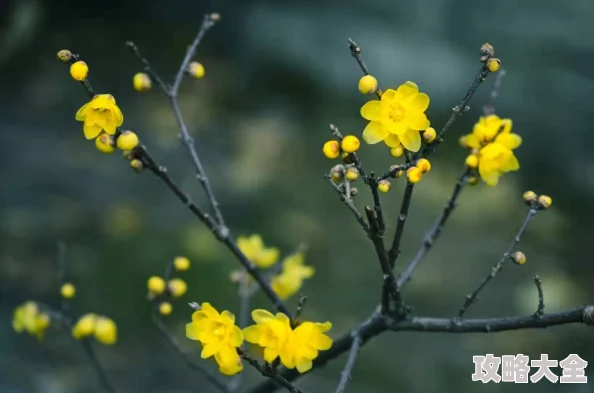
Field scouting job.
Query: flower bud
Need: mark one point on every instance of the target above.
(196, 70)
(493, 64)
(424, 165)
(529, 197)
(331, 149)
(347, 158)
(337, 173)
(106, 331)
(156, 285)
(79, 71)
(68, 291)
(354, 191)
(84, 327)
(429, 135)
(463, 141)
(545, 201)
(137, 165)
(65, 56)
(127, 140)
(384, 186)
(472, 180)
(519, 258)
(165, 308)
(367, 84)
(181, 264)
(395, 171)
(414, 174)
(142, 82)
(215, 17)
(397, 151)
(472, 161)
(177, 287)
(351, 174)
(105, 144)
(350, 144)
(487, 50)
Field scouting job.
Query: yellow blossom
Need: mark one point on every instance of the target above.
(254, 249)
(181, 264)
(177, 287)
(296, 348)
(290, 280)
(84, 327)
(545, 201)
(106, 331)
(351, 174)
(68, 290)
(101, 113)
(218, 335)
(494, 160)
(397, 117)
(79, 70)
(28, 317)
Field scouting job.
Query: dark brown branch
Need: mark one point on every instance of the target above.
(540, 309)
(432, 235)
(188, 360)
(350, 364)
(268, 371)
(356, 53)
(404, 208)
(349, 203)
(148, 68)
(470, 299)
(97, 365)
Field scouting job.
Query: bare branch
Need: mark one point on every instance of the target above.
(349, 203)
(540, 310)
(267, 371)
(350, 364)
(356, 53)
(404, 208)
(97, 365)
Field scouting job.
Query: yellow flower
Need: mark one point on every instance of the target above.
(106, 331)
(68, 290)
(254, 250)
(397, 117)
(494, 160)
(101, 113)
(28, 317)
(219, 336)
(296, 348)
(84, 327)
(290, 280)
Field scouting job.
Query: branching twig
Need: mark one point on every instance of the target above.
(432, 235)
(470, 299)
(97, 364)
(540, 310)
(356, 53)
(350, 364)
(191, 364)
(349, 203)
(268, 372)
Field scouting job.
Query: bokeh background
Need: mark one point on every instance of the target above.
(277, 73)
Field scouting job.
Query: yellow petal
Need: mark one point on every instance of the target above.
(81, 114)
(374, 133)
(512, 164)
(411, 140)
(228, 355)
(283, 318)
(511, 141)
(191, 331)
(388, 95)
(287, 359)
(507, 126)
(419, 103)
(236, 336)
(323, 327)
(119, 116)
(91, 131)
(323, 342)
(270, 354)
(267, 257)
(406, 90)
(252, 334)
(491, 177)
(416, 120)
(208, 310)
(209, 350)
(228, 316)
(261, 316)
(303, 365)
(371, 110)
(392, 140)
(473, 141)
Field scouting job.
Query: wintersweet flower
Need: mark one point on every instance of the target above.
(28, 317)
(219, 336)
(254, 249)
(101, 113)
(397, 117)
(297, 348)
(290, 280)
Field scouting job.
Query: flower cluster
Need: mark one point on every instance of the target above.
(296, 347)
(29, 317)
(290, 280)
(161, 291)
(254, 249)
(491, 144)
(219, 336)
(102, 328)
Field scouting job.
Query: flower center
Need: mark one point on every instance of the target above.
(396, 113)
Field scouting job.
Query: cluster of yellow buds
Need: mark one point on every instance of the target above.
(162, 292)
(29, 317)
(101, 327)
(540, 202)
(493, 64)
(333, 149)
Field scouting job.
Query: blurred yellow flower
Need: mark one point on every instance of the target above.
(219, 336)
(106, 331)
(296, 348)
(84, 327)
(101, 113)
(397, 117)
(254, 249)
(28, 317)
(177, 287)
(290, 280)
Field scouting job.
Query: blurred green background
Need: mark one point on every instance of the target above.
(277, 73)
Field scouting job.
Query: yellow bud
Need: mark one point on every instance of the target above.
(79, 71)
(141, 82)
(215, 17)
(472, 180)
(84, 327)
(337, 173)
(68, 291)
(529, 197)
(472, 161)
(351, 174)
(331, 149)
(350, 144)
(136, 165)
(106, 331)
(181, 264)
(65, 55)
(397, 151)
(367, 84)
(414, 174)
(424, 165)
(43, 320)
(165, 308)
(545, 201)
(177, 287)
(494, 64)
(127, 140)
(519, 258)
(395, 171)
(346, 158)
(384, 186)
(105, 144)
(196, 70)
(156, 285)
(463, 141)
(487, 50)
(429, 135)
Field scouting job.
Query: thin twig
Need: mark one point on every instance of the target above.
(349, 203)
(356, 53)
(268, 372)
(470, 299)
(432, 235)
(404, 208)
(191, 364)
(300, 307)
(62, 268)
(350, 364)
(148, 68)
(97, 365)
(540, 310)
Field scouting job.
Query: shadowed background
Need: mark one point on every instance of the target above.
(277, 73)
